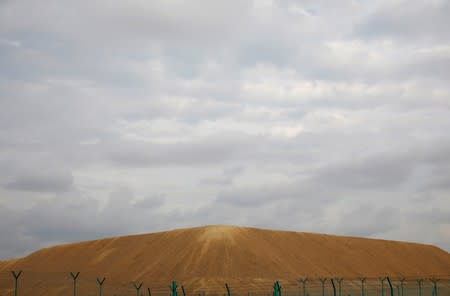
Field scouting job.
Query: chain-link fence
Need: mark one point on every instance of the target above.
(29, 283)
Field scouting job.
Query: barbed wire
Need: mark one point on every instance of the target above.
(61, 283)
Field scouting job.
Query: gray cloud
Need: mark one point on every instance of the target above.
(153, 202)
(299, 115)
(217, 148)
(369, 173)
(407, 20)
(371, 220)
(226, 178)
(42, 182)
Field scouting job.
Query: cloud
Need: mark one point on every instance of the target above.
(226, 178)
(299, 115)
(372, 221)
(204, 151)
(41, 183)
(111, 24)
(407, 20)
(377, 172)
(153, 202)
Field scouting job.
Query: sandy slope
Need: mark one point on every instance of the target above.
(218, 253)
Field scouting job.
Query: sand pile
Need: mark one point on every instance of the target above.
(213, 254)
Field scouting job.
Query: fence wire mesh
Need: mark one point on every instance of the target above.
(62, 283)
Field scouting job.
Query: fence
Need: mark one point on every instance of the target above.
(28, 283)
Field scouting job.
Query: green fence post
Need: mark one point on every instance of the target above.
(339, 281)
(402, 280)
(182, 289)
(390, 286)
(137, 287)
(149, 292)
(100, 285)
(334, 287)
(74, 277)
(362, 279)
(323, 285)
(276, 289)
(419, 282)
(303, 280)
(16, 279)
(228, 289)
(174, 289)
(382, 285)
(434, 281)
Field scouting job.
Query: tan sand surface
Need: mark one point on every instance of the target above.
(207, 256)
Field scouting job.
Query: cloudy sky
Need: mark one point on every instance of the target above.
(121, 117)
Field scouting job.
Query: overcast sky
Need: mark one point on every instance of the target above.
(121, 117)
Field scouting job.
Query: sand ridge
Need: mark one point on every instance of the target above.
(220, 252)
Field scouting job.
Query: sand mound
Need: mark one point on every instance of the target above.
(221, 253)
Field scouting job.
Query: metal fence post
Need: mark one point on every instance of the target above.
(334, 287)
(74, 277)
(339, 281)
(390, 286)
(149, 292)
(303, 280)
(137, 287)
(100, 285)
(16, 279)
(228, 289)
(323, 285)
(402, 280)
(173, 289)
(182, 289)
(362, 285)
(419, 282)
(434, 281)
(382, 285)
(276, 289)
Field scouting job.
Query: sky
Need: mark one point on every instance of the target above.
(123, 117)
